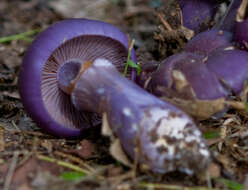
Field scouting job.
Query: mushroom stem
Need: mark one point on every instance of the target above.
(160, 135)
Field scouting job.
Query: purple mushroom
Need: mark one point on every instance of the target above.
(241, 26)
(184, 80)
(201, 78)
(230, 66)
(197, 14)
(220, 36)
(241, 33)
(206, 42)
(41, 96)
(71, 69)
(185, 74)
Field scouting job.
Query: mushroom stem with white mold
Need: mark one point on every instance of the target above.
(159, 134)
(71, 69)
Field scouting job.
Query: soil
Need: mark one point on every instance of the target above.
(31, 159)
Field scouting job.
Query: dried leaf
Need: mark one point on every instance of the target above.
(106, 131)
(117, 152)
(199, 109)
(86, 150)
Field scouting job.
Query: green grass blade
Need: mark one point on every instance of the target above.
(211, 134)
(130, 63)
(72, 176)
(21, 36)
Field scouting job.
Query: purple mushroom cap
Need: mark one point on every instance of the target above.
(196, 13)
(186, 75)
(241, 33)
(230, 66)
(206, 42)
(68, 39)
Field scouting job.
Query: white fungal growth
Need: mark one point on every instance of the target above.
(169, 125)
(158, 113)
(171, 149)
(173, 127)
(100, 90)
(197, 133)
(101, 62)
(204, 152)
(174, 142)
(127, 111)
(134, 126)
(202, 145)
(191, 138)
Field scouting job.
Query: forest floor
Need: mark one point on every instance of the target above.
(33, 160)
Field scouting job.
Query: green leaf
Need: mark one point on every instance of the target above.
(211, 134)
(130, 63)
(246, 106)
(232, 184)
(72, 176)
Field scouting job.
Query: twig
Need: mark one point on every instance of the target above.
(64, 164)
(2, 142)
(75, 159)
(208, 179)
(135, 164)
(120, 178)
(164, 22)
(11, 171)
(170, 187)
(15, 126)
(69, 166)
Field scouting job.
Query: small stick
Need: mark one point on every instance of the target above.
(170, 187)
(62, 163)
(75, 159)
(164, 22)
(135, 164)
(11, 171)
(69, 166)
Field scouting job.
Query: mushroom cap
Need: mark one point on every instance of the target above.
(230, 66)
(185, 74)
(240, 33)
(197, 12)
(206, 42)
(65, 40)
